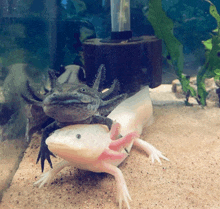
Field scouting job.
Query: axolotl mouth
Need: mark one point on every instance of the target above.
(70, 107)
(86, 143)
(66, 99)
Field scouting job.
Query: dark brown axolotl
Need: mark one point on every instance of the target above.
(73, 104)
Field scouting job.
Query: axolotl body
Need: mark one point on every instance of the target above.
(93, 147)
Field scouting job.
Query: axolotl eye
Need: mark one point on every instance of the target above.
(82, 89)
(78, 136)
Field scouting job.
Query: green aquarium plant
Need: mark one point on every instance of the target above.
(163, 27)
(211, 67)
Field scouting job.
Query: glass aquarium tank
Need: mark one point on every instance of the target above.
(45, 44)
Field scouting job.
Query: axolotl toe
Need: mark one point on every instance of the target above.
(92, 147)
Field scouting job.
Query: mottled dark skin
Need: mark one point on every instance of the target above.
(71, 104)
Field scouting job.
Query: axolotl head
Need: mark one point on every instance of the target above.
(88, 143)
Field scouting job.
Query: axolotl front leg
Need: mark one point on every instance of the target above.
(150, 150)
(122, 190)
(47, 178)
(132, 114)
(123, 194)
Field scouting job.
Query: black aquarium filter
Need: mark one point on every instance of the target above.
(134, 61)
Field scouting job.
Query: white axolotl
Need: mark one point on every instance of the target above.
(93, 147)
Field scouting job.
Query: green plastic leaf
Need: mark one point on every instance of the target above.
(213, 11)
(208, 44)
(163, 28)
(213, 58)
(202, 93)
(217, 71)
(217, 77)
(212, 64)
(186, 87)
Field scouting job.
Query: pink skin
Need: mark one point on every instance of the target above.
(117, 144)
